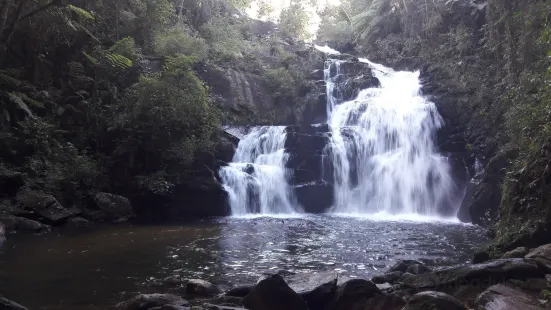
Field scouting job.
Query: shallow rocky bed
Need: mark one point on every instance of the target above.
(513, 282)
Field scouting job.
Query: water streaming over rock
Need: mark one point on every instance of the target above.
(382, 149)
(257, 180)
(381, 154)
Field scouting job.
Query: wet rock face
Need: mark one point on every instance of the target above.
(308, 165)
(433, 301)
(6, 304)
(355, 294)
(43, 206)
(477, 274)
(114, 205)
(504, 297)
(15, 223)
(351, 77)
(273, 293)
(152, 301)
(316, 289)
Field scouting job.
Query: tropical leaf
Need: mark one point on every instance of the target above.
(28, 100)
(18, 101)
(91, 59)
(8, 80)
(81, 12)
(119, 61)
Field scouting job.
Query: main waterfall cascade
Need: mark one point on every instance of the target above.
(257, 180)
(381, 153)
(382, 149)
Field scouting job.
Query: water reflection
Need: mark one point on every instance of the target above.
(96, 269)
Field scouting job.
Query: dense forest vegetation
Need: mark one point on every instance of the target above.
(130, 96)
(114, 96)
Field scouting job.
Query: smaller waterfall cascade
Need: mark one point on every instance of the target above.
(382, 150)
(257, 180)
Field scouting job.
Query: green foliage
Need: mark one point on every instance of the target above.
(167, 117)
(282, 82)
(127, 48)
(81, 12)
(294, 20)
(224, 38)
(178, 40)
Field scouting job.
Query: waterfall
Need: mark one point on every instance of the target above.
(382, 150)
(381, 156)
(257, 180)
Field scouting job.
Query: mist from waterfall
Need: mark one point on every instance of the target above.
(257, 180)
(382, 150)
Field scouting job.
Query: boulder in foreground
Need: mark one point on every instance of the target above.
(6, 304)
(355, 294)
(504, 297)
(317, 289)
(148, 301)
(273, 293)
(433, 301)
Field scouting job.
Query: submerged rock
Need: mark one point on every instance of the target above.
(272, 293)
(77, 223)
(433, 301)
(44, 206)
(6, 304)
(148, 301)
(480, 274)
(317, 289)
(15, 223)
(240, 291)
(417, 269)
(114, 205)
(389, 277)
(402, 265)
(226, 301)
(201, 287)
(504, 297)
(355, 295)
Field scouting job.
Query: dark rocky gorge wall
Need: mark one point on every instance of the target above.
(306, 143)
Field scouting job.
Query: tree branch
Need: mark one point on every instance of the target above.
(17, 18)
(5, 5)
(42, 8)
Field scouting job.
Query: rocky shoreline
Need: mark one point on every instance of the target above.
(518, 280)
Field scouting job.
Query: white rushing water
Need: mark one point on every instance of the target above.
(382, 149)
(257, 180)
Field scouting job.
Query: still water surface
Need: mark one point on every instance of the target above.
(97, 268)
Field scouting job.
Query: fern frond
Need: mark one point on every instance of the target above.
(91, 59)
(119, 61)
(81, 12)
(28, 100)
(7, 80)
(18, 101)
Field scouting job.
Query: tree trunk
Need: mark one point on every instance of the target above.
(4, 9)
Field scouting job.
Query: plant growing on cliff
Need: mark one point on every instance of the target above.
(282, 82)
(166, 119)
(179, 40)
